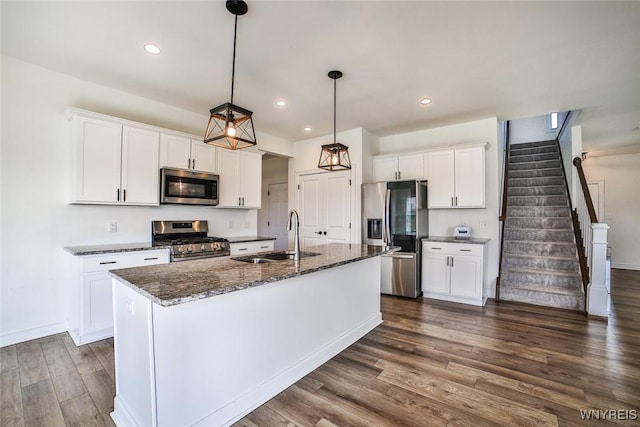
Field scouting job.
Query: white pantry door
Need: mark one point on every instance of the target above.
(277, 221)
(325, 208)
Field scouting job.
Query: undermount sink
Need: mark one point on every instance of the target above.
(272, 257)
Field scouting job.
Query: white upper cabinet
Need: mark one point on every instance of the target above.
(98, 160)
(187, 153)
(115, 164)
(240, 179)
(400, 167)
(456, 178)
(140, 176)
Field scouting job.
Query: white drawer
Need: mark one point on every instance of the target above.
(453, 248)
(245, 248)
(104, 262)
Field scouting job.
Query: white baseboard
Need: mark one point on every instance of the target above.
(33, 333)
(624, 266)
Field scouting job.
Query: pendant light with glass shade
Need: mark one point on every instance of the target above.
(334, 156)
(231, 126)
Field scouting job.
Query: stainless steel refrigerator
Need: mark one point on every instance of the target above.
(395, 214)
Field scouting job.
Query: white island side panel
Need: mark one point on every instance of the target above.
(218, 358)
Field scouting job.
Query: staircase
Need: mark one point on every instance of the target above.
(539, 256)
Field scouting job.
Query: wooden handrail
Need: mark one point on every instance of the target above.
(505, 180)
(503, 214)
(577, 162)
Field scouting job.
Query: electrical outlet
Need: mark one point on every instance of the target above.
(113, 226)
(483, 224)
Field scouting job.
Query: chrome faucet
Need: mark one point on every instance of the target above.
(296, 235)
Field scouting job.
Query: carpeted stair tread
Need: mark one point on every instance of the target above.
(541, 223)
(533, 150)
(536, 144)
(547, 289)
(539, 211)
(534, 173)
(542, 272)
(535, 181)
(544, 256)
(571, 300)
(537, 190)
(541, 200)
(540, 263)
(533, 158)
(547, 164)
(540, 235)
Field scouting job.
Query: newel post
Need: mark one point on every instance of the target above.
(597, 294)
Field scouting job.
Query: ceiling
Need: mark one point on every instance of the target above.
(473, 59)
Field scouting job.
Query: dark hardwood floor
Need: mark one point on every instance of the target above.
(430, 363)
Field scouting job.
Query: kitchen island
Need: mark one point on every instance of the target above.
(205, 342)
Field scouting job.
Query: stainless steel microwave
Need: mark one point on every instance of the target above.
(188, 187)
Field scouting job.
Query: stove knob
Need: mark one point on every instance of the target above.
(189, 248)
(203, 248)
(180, 249)
(216, 246)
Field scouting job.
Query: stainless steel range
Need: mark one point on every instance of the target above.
(188, 240)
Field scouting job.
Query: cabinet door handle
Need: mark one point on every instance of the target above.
(452, 202)
(264, 247)
(193, 164)
(465, 250)
(188, 163)
(124, 195)
(451, 261)
(108, 262)
(447, 261)
(399, 175)
(239, 199)
(118, 195)
(433, 247)
(243, 249)
(324, 232)
(151, 259)
(243, 201)
(456, 200)
(318, 232)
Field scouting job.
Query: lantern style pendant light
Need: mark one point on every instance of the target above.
(231, 126)
(334, 156)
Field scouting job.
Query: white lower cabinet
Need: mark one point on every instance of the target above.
(91, 306)
(454, 272)
(246, 248)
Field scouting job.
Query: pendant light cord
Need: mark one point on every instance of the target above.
(233, 67)
(335, 82)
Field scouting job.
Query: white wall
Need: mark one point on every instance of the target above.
(621, 175)
(483, 222)
(534, 129)
(36, 166)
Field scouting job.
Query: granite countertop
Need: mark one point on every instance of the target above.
(181, 282)
(111, 248)
(243, 239)
(451, 239)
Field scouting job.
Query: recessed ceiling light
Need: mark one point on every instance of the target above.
(307, 129)
(425, 101)
(152, 48)
(281, 103)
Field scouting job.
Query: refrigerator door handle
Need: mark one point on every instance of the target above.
(387, 230)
